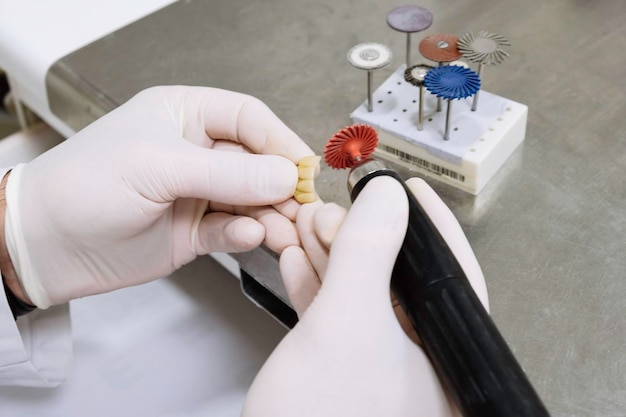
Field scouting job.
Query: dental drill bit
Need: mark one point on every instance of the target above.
(369, 56)
(415, 76)
(440, 48)
(484, 49)
(409, 19)
(451, 82)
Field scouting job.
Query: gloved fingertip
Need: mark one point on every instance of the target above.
(288, 208)
(417, 182)
(328, 219)
(278, 178)
(244, 234)
(299, 277)
(244, 179)
(281, 234)
(421, 190)
(308, 210)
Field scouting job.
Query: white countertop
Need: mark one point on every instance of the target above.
(185, 346)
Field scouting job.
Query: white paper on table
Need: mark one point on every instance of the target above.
(189, 345)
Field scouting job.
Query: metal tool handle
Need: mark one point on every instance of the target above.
(468, 352)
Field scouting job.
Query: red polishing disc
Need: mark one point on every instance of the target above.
(350, 145)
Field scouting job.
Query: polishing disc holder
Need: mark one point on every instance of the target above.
(479, 142)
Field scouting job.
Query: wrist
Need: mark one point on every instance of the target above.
(14, 286)
(9, 276)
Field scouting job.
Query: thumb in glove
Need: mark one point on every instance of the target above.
(348, 355)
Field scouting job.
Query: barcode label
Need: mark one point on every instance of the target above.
(422, 163)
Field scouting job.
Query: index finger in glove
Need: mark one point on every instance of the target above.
(247, 120)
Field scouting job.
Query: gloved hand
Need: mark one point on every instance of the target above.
(174, 173)
(349, 356)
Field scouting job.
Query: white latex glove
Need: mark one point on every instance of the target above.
(349, 355)
(174, 173)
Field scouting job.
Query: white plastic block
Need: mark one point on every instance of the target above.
(479, 142)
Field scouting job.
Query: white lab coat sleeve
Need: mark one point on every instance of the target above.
(37, 349)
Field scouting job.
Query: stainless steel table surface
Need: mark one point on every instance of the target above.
(549, 229)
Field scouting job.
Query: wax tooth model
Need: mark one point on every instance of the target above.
(305, 189)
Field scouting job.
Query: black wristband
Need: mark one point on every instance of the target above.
(17, 306)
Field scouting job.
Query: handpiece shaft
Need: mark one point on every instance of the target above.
(470, 355)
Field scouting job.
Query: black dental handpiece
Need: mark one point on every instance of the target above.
(466, 349)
